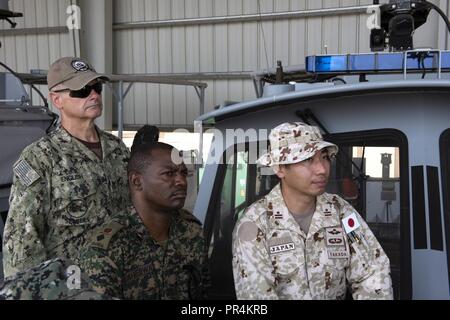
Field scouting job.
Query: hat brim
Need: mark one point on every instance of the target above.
(80, 80)
(270, 158)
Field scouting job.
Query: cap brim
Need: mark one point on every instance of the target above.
(82, 79)
(332, 148)
(264, 160)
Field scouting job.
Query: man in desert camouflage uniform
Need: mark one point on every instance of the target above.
(156, 250)
(50, 280)
(68, 182)
(299, 242)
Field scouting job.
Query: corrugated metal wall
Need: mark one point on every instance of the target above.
(225, 47)
(36, 51)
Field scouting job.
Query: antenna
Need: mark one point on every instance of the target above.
(262, 31)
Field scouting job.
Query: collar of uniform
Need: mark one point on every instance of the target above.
(62, 135)
(142, 232)
(137, 224)
(324, 216)
(278, 214)
(70, 144)
(108, 144)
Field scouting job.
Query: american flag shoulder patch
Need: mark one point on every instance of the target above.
(26, 174)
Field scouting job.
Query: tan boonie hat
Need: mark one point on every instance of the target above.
(292, 142)
(73, 72)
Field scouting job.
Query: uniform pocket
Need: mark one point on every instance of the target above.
(74, 202)
(286, 266)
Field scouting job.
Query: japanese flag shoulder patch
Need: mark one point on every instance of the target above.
(350, 223)
(26, 174)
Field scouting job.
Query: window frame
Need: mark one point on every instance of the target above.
(444, 151)
(401, 141)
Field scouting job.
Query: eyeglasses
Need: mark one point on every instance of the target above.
(85, 91)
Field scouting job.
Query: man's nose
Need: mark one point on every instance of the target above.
(320, 167)
(180, 180)
(94, 95)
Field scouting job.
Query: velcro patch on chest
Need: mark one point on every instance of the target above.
(335, 244)
(334, 236)
(26, 174)
(282, 244)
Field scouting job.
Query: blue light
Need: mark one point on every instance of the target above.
(362, 62)
(330, 63)
(377, 62)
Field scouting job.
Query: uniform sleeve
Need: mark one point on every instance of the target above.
(206, 276)
(119, 171)
(369, 271)
(103, 270)
(194, 235)
(252, 268)
(29, 203)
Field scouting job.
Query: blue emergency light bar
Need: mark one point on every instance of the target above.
(416, 61)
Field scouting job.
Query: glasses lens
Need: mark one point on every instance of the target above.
(97, 87)
(86, 90)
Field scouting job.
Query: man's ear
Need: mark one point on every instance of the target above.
(135, 181)
(55, 98)
(280, 171)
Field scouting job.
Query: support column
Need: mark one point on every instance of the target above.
(96, 46)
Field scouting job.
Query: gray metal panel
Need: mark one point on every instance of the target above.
(314, 27)
(180, 105)
(192, 57)
(220, 38)
(220, 91)
(179, 43)
(298, 32)
(53, 19)
(330, 30)
(364, 32)
(138, 54)
(255, 105)
(207, 37)
(349, 28)
(265, 37)
(235, 38)
(209, 96)
(281, 33)
(153, 104)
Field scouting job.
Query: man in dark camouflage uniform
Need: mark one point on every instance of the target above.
(156, 250)
(50, 280)
(299, 242)
(67, 183)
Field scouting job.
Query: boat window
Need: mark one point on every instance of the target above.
(445, 171)
(371, 173)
